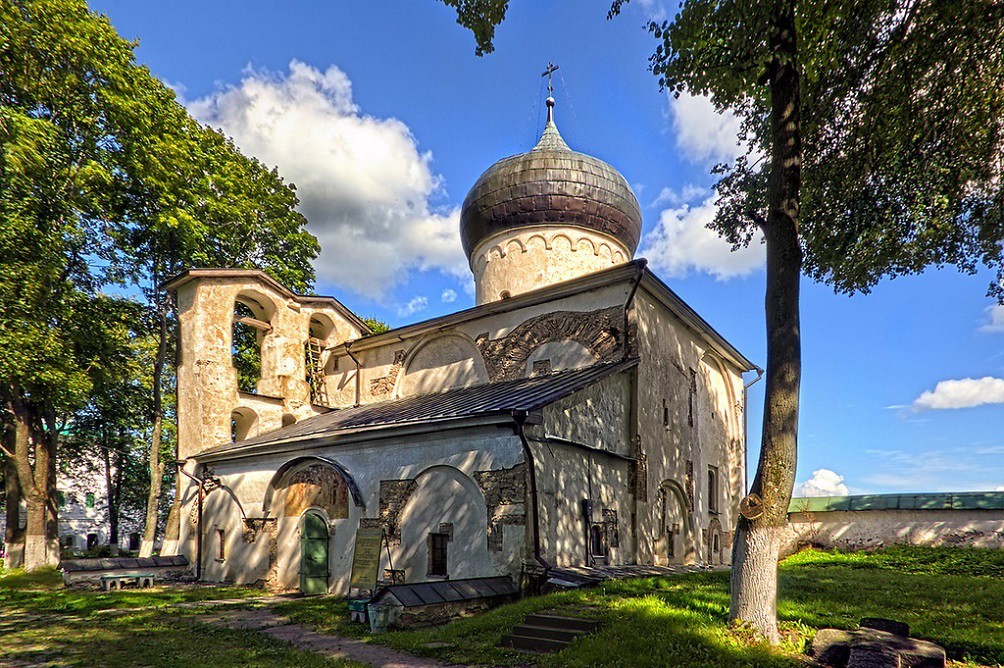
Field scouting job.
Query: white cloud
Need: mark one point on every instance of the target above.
(681, 242)
(415, 305)
(704, 135)
(449, 296)
(823, 482)
(654, 10)
(996, 323)
(999, 488)
(364, 185)
(963, 393)
(686, 195)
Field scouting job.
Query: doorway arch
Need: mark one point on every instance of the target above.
(314, 554)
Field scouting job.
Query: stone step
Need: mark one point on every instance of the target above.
(531, 631)
(559, 622)
(528, 644)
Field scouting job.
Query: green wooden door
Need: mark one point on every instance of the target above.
(314, 555)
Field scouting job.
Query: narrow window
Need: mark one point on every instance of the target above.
(670, 543)
(665, 413)
(133, 542)
(92, 541)
(89, 499)
(716, 548)
(713, 489)
(691, 409)
(221, 551)
(437, 554)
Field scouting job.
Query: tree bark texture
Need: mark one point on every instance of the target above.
(111, 490)
(13, 533)
(757, 540)
(36, 480)
(156, 467)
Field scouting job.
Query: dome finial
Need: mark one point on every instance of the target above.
(551, 138)
(549, 72)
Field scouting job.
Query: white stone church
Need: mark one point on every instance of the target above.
(581, 414)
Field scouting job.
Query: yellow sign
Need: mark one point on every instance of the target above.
(366, 558)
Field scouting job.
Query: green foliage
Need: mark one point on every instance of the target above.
(901, 138)
(480, 17)
(376, 325)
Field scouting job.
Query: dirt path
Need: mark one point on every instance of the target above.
(280, 627)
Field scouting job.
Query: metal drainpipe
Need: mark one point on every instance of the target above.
(519, 417)
(642, 263)
(359, 366)
(746, 429)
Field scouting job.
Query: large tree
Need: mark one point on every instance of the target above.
(875, 149)
(100, 163)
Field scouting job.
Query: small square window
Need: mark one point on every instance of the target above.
(438, 543)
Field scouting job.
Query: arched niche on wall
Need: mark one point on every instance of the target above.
(252, 321)
(308, 470)
(716, 542)
(443, 362)
(675, 539)
(445, 502)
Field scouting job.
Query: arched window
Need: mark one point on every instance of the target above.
(288, 419)
(242, 421)
(246, 350)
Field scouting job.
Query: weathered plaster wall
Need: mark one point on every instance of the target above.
(517, 261)
(871, 529)
(689, 416)
(446, 469)
(598, 418)
(501, 346)
(207, 382)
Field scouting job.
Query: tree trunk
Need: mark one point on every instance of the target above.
(13, 533)
(156, 467)
(758, 539)
(113, 507)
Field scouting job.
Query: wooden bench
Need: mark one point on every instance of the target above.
(141, 580)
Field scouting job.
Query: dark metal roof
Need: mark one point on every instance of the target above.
(929, 501)
(523, 394)
(431, 593)
(550, 184)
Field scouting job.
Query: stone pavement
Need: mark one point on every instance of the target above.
(280, 627)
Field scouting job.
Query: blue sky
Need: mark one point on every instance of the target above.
(383, 117)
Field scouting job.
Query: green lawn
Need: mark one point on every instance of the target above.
(43, 624)
(954, 597)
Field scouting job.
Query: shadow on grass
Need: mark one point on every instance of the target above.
(150, 638)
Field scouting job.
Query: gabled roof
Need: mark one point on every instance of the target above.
(500, 400)
(175, 282)
(634, 270)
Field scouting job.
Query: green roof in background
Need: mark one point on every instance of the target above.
(932, 501)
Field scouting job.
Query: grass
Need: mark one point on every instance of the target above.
(952, 596)
(42, 624)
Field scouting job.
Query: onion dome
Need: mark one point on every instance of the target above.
(550, 185)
